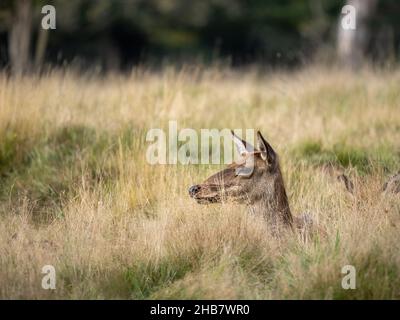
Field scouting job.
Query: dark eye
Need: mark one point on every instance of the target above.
(245, 172)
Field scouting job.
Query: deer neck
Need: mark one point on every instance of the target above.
(273, 203)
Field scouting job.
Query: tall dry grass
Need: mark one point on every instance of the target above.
(77, 193)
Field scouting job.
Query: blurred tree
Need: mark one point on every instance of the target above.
(352, 44)
(20, 36)
(116, 34)
(41, 41)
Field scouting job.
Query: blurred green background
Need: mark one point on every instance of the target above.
(118, 34)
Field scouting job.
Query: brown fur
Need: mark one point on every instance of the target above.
(392, 185)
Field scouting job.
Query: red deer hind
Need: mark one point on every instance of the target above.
(255, 181)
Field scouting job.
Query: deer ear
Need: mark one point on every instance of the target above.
(267, 153)
(242, 146)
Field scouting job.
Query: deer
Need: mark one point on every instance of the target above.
(255, 180)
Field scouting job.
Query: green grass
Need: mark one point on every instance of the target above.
(363, 160)
(49, 170)
(146, 278)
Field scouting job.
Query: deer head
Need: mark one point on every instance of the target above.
(255, 180)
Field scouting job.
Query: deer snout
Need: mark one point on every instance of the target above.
(193, 190)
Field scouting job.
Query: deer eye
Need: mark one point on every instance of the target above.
(245, 172)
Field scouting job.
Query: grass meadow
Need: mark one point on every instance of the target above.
(76, 191)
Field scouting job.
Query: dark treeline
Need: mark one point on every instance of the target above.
(117, 34)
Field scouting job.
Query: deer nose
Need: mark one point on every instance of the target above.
(193, 190)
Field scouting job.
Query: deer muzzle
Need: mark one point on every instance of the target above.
(193, 190)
